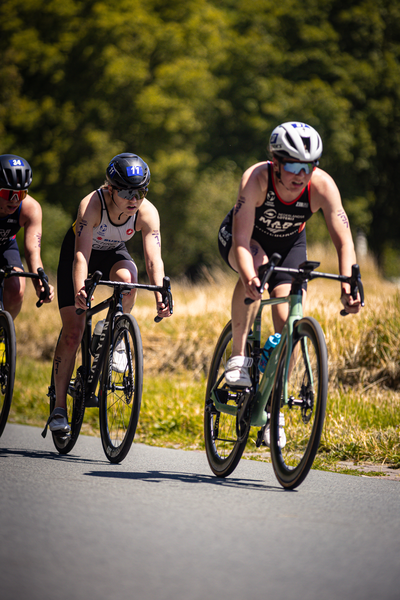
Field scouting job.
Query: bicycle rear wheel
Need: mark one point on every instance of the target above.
(75, 406)
(225, 439)
(8, 357)
(303, 408)
(121, 389)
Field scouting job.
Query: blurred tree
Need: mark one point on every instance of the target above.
(195, 87)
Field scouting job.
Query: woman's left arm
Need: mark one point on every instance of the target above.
(148, 222)
(325, 195)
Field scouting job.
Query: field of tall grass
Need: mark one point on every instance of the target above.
(363, 412)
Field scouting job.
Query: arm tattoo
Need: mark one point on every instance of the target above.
(239, 204)
(343, 217)
(254, 249)
(156, 235)
(39, 239)
(83, 223)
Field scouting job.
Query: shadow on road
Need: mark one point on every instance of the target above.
(8, 452)
(159, 476)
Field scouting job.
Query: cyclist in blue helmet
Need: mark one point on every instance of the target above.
(18, 210)
(275, 200)
(107, 218)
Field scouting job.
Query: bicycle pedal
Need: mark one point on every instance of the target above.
(92, 402)
(260, 438)
(61, 435)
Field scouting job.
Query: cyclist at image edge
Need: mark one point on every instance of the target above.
(107, 218)
(19, 210)
(275, 200)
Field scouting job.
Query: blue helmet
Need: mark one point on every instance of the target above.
(128, 171)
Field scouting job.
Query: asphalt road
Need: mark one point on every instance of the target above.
(161, 527)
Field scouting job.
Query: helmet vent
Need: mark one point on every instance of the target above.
(290, 140)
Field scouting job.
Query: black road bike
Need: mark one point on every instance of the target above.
(100, 380)
(8, 344)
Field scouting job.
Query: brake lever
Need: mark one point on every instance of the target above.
(46, 293)
(90, 286)
(265, 272)
(356, 287)
(166, 295)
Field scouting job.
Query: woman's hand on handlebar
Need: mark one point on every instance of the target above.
(81, 299)
(42, 295)
(163, 310)
(251, 288)
(350, 305)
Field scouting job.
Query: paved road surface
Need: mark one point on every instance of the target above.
(161, 527)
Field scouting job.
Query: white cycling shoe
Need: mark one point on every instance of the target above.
(58, 422)
(282, 434)
(237, 371)
(119, 360)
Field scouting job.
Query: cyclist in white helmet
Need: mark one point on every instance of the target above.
(275, 200)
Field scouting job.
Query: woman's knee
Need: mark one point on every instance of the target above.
(125, 271)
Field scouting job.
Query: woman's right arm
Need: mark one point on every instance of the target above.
(87, 219)
(250, 196)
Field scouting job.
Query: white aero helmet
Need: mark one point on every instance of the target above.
(296, 140)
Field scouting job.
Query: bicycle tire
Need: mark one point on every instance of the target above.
(304, 414)
(8, 358)
(75, 406)
(121, 390)
(224, 448)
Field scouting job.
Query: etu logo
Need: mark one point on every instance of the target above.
(136, 170)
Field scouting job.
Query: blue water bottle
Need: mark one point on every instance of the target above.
(269, 345)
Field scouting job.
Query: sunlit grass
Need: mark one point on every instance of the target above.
(363, 412)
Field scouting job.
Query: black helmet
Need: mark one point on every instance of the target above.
(15, 172)
(127, 171)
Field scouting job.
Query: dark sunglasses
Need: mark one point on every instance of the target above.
(9, 194)
(138, 193)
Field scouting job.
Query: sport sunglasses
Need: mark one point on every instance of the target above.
(138, 193)
(296, 167)
(9, 194)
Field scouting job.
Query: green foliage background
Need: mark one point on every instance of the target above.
(195, 88)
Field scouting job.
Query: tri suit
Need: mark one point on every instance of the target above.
(9, 227)
(108, 248)
(279, 226)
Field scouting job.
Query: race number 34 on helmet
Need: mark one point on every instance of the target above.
(15, 176)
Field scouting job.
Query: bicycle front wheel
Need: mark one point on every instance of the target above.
(75, 406)
(225, 441)
(121, 389)
(300, 406)
(8, 357)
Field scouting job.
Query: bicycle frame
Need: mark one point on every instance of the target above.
(262, 389)
(93, 369)
(115, 309)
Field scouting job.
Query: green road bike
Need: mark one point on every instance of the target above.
(292, 389)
